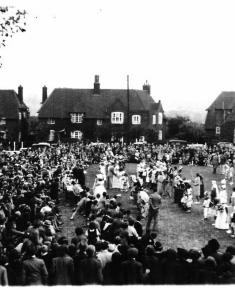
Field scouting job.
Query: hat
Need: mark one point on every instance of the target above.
(223, 182)
(111, 248)
(47, 223)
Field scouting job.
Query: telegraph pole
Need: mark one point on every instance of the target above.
(128, 109)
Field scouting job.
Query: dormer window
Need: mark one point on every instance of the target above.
(51, 121)
(99, 122)
(136, 119)
(160, 118)
(2, 121)
(77, 117)
(117, 117)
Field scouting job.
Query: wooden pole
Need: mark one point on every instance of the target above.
(128, 109)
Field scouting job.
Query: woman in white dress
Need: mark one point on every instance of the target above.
(221, 221)
(116, 176)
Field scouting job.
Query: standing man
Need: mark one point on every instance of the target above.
(197, 182)
(154, 205)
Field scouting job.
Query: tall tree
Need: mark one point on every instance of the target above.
(12, 21)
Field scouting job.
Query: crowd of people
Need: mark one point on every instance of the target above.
(115, 246)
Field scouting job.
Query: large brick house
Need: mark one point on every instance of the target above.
(220, 119)
(14, 116)
(104, 114)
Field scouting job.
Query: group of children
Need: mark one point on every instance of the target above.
(222, 210)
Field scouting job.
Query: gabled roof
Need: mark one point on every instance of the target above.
(61, 102)
(9, 104)
(225, 101)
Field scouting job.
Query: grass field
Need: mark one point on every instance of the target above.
(176, 228)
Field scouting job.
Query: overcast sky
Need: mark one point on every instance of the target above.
(185, 49)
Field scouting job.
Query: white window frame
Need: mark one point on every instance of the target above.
(3, 121)
(117, 117)
(52, 135)
(51, 121)
(217, 130)
(99, 122)
(160, 118)
(136, 119)
(76, 118)
(154, 119)
(160, 135)
(76, 134)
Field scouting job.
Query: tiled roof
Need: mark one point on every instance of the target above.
(226, 100)
(61, 102)
(9, 104)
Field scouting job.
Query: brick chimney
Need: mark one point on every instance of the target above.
(96, 85)
(20, 94)
(44, 94)
(147, 87)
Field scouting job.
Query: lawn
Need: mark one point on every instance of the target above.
(176, 228)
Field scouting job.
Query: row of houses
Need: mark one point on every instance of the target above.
(95, 113)
(105, 114)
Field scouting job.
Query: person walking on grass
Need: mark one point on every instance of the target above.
(153, 212)
(197, 182)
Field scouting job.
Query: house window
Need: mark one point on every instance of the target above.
(20, 115)
(136, 119)
(99, 122)
(217, 130)
(160, 135)
(117, 118)
(76, 118)
(160, 118)
(76, 135)
(51, 136)
(2, 121)
(154, 120)
(51, 121)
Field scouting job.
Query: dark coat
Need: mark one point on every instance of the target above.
(91, 271)
(132, 272)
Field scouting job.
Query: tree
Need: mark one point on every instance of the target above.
(181, 127)
(11, 21)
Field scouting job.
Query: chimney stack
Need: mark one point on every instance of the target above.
(147, 87)
(44, 94)
(96, 85)
(20, 94)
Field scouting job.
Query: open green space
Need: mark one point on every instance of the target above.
(176, 228)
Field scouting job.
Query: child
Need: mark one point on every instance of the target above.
(206, 205)
(124, 182)
(232, 225)
(187, 199)
(233, 199)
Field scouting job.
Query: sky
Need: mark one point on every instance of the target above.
(184, 48)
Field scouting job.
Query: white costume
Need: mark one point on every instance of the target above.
(221, 221)
(99, 187)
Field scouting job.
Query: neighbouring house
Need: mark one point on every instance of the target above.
(220, 119)
(102, 114)
(14, 115)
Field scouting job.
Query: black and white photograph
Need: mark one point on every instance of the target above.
(117, 142)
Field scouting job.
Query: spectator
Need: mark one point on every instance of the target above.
(91, 269)
(34, 269)
(62, 264)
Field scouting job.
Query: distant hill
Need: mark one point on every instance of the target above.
(194, 116)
